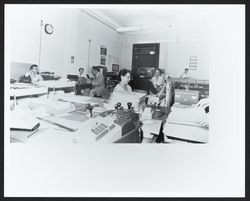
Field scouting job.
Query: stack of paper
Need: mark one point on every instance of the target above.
(187, 116)
(53, 107)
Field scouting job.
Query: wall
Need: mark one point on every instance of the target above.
(176, 45)
(99, 34)
(72, 31)
(23, 25)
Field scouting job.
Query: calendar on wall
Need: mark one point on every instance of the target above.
(193, 62)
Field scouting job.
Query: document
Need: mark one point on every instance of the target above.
(151, 126)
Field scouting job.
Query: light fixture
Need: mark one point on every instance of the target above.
(152, 52)
(128, 29)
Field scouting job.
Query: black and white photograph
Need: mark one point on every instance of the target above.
(153, 113)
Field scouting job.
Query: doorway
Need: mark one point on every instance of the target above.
(145, 55)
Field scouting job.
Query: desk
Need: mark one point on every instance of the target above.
(49, 133)
(52, 133)
(186, 133)
(28, 92)
(193, 84)
(80, 87)
(182, 125)
(58, 84)
(186, 97)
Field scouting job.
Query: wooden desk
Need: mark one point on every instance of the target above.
(65, 85)
(29, 91)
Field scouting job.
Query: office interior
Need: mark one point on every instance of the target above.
(61, 40)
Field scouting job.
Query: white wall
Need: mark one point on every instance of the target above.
(99, 34)
(23, 24)
(176, 46)
(178, 58)
(72, 30)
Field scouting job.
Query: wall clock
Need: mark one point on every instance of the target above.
(48, 28)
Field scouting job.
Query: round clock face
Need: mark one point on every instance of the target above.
(48, 28)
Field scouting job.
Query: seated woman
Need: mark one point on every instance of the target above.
(81, 77)
(157, 80)
(123, 86)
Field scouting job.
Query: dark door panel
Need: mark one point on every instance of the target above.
(145, 55)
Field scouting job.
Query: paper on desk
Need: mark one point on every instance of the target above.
(193, 133)
(151, 126)
(187, 115)
(21, 136)
(54, 107)
(65, 122)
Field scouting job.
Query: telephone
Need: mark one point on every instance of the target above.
(119, 126)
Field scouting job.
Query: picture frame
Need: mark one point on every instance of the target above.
(115, 67)
(103, 50)
(103, 60)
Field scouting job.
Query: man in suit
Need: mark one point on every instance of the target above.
(97, 83)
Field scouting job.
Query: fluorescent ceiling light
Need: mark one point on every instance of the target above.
(142, 27)
(128, 29)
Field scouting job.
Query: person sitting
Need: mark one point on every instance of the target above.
(83, 84)
(157, 80)
(97, 83)
(81, 77)
(142, 83)
(123, 86)
(33, 73)
(185, 74)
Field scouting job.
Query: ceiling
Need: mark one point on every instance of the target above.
(146, 18)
